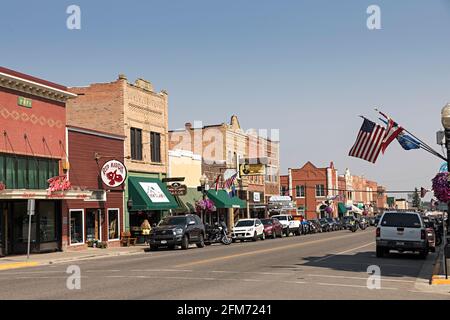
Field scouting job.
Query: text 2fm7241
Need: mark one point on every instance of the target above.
(246, 309)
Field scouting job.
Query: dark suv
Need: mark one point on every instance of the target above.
(178, 230)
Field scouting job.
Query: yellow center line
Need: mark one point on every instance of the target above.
(17, 265)
(238, 255)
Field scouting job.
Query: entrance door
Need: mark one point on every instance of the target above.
(18, 225)
(93, 225)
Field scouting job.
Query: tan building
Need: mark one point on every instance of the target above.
(136, 111)
(226, 145)
(187, 165)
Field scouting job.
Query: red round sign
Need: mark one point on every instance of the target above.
(113, 173)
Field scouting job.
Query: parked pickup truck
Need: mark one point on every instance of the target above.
(402, 231)
(289, 224)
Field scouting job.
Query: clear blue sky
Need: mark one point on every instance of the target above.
(305, 67)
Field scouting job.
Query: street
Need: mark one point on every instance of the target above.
(319, 266)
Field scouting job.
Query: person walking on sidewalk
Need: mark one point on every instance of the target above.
(146, 228)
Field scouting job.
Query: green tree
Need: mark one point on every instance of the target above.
(417, 203)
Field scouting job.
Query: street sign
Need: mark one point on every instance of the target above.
(31, 205)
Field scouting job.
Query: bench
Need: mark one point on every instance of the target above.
(126, 239)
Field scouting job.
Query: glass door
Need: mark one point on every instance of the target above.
(19, 236)
(93, 225)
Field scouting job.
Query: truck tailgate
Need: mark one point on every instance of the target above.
(400, 234)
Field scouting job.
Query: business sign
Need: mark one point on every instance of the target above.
(24, 102)
(154, 192)
(250, 169)
(177, 189)
(113, 173)
(256, 197)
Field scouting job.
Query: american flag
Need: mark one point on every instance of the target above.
(369, 141)
(392, 131)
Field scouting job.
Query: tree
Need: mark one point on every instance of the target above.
(416, 202)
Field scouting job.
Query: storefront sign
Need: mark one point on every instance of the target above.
(256, 197)
(177, 189)
(248, 169)
(24, 102)
(113, 173)
(59, 183)
(154, 192)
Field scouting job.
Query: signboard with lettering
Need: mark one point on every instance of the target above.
(177, 189)
(113, 173)
(154, 192)
(24, 102)
(250, 169)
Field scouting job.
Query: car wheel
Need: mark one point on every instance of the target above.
(153, 248)
(263, 236)
(380, 252)
(185, 242)
(201, 242)
(255, 237)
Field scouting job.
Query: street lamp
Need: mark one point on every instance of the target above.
(203, 182)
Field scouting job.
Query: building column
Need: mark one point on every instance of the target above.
(230, 217)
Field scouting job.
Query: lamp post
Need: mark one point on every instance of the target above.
(203, 182)
(445, 118)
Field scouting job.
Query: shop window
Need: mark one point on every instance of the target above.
(47, 221)
(33, 177)
(76, 226)
(22, 173)
(155, 146)
(113, 224)
(20, 223)
(136, 143)
(2, 170)
(10, 173)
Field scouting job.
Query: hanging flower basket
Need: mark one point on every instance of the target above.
(205, 206)
(440, 187)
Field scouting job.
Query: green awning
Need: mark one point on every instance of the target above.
(342, 208)
(149, 194)
(187, 202)
(221, 199)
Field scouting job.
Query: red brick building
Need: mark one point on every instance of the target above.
(101, 217)
(313, 189)
(32, 150)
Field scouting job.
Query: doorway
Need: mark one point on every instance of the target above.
(94, 225)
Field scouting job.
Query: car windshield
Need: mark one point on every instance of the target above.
(402, 220)
(266, 222)
(245, 223)
(173, 221)
(281, 217)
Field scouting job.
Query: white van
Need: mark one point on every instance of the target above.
(401, 231)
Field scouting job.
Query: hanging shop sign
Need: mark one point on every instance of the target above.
(177, 189)
(58, 183)
(113, 173)
(250, 169)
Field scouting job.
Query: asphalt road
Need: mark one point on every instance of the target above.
(322, 266)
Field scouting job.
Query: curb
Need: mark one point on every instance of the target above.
(436, 277)
(18, 265)
(91, 257)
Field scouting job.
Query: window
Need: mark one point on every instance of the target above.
(320, 190)
(300, 191)
(155, 146)
(47, 221)
(113, 224)
(18, 172)
(136, 143)
(76, 226)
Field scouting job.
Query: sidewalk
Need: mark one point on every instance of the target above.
(21, 261)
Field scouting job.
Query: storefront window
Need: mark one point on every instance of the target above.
(20, 223)
(47, 221)
(113, 224)
(76, 227)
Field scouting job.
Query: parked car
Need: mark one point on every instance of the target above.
(272, 227)
(402, 231)
(325, 225)
(289, 224)
(248, 229)
(178, 230)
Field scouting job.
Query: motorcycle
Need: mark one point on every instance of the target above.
(217, 234)
(353, 226)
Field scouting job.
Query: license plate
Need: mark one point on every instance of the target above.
(400, 243)
(163, 241)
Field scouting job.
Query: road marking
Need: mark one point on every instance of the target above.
(17, 265)
(346, 251)
(296, 245)
(357, 278)
(352, 286)
(162, 270)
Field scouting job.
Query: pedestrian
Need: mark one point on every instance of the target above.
(145, 229)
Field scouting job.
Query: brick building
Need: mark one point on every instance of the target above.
(313, 189)
(99, 218)
(136, 111)
(32, 151)
(225, 146)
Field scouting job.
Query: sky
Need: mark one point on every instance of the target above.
(308, 68)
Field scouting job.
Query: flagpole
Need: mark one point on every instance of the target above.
(428, 148)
